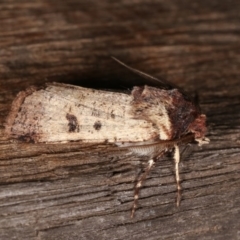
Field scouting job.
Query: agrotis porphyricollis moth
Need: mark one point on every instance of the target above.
(151, 120)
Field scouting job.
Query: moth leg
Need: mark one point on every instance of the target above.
(177, 160)
(138, 186)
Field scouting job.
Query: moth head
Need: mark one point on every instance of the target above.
(199, 129)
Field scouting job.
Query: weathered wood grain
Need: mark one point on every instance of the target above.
(76, 191)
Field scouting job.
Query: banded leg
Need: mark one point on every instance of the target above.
(139, 185)
(177, 160)
(151, 162)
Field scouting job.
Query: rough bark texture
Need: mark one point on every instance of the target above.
(75, 191)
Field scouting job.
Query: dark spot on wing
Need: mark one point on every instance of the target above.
(30, 137)
(112, 115)
(72, 123)
(97, 125)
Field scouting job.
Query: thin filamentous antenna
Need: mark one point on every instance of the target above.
(165, 84)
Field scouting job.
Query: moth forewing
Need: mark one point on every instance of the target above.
(61, 113)
(149, 121)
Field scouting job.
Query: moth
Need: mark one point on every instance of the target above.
(151, 120)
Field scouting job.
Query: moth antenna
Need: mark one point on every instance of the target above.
(177, 160)
(154, 80)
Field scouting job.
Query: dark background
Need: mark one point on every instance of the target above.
(76, 191)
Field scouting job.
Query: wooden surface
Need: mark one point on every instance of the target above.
(74, 191)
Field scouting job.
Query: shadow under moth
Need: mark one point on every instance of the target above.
(151, 120)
